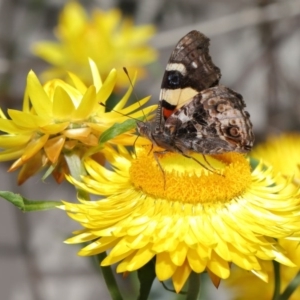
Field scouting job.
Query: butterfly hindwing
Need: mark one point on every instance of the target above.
(214, 121)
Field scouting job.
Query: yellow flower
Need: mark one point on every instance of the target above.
(105, 38)
(250, 287)
(282, 152)
(59, 117)
(187, 217)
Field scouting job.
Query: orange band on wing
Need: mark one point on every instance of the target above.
(167, 112)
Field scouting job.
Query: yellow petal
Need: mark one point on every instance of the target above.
(73, 19)
(11, 141)
(261, 274)
(63, 106)
(11, 154)
(79, 85)
(10, 127)
(218, 266)
(141, 257)
(34, 146)
(53, 147)
(125, 98)
(18, 163)
(214, 278)
(31, 167)
(90, 140)
(26, 101)
(107, 86)
(179, 255)
(86, 105)
(164, 267)
(39, 99)
(26, 120)
(197, 264)
(106, 21)
(54, 128)
(180, 276)
(131, 108)
(51, 86)
(76, 133)
(50, 52)
(95, 74)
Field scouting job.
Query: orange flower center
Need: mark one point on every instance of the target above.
(171, 176)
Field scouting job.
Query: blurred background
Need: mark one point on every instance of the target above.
(255, 43)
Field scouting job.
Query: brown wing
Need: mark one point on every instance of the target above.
(194, 64)
(189, 71)
(214, 121)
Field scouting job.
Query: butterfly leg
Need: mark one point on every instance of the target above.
(151, 149)
(213, 170)
(134, 145)
(157, 160)
(204, 157)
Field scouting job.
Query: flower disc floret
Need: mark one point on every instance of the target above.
(183, 179)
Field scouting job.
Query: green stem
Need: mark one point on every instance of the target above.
(109, 278)
(194, 286)
(290, 288)
(276, 267)
(146, 276)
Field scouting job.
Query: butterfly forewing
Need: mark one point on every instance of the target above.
(189, 71)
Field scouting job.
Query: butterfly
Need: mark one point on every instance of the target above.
(194, 112)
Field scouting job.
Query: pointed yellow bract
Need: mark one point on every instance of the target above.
(189, 218)
(60, 116)
(105, 37)
(242, 282)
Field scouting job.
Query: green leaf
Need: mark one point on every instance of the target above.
(28, 205)
(117, 129)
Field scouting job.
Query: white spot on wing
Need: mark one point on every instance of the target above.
(183, 117)
(176, 67)
(194, 65)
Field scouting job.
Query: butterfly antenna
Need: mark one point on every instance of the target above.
(118, 112)
(135, 95)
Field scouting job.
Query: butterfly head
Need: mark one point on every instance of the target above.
(145, 129)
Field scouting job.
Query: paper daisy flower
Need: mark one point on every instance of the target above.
(104, 37)
(282, 152)
(250, 287)
(185, 217)
(59, 118)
